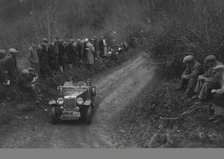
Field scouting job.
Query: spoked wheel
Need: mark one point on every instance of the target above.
(54, 116)
(88, 115)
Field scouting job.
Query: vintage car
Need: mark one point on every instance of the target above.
(75, 101)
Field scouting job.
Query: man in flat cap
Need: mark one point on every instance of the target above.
(2, 66)
(218, 98)
(208, 81)
(190, 75)
(34, 58)
(61, 55)
(43, 57)
(71, 54)
(11, 65)
(3, 75)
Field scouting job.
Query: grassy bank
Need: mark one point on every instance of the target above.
(140, 123)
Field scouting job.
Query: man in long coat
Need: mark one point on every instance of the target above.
(61, 55)
(71, 54)
(208, 81)
(52, 57)
(43, 56)
(34, 58)
(11, 65)
(90, 55)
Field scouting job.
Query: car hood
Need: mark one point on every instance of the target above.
(74, 93)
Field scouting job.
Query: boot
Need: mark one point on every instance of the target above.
(213, 118)
(217, 121)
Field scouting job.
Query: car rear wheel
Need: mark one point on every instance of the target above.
(54, 116)
(88, 115)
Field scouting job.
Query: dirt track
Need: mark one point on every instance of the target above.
(114, 91)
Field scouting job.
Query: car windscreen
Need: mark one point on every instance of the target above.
(71, 90)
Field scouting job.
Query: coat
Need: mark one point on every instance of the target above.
(71, 54)
(193, 71)
(90, 55)
(3, 74)
(43, 56)
(214, 76)
(33, 58)
(11, 66)
(61, 54)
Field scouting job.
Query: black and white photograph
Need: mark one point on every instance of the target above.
(111, 74)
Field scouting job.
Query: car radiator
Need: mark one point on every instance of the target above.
(69, 104)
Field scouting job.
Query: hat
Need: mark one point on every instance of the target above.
(25, 71)
(30, 69)
(188, 58)
(44, 40)
(12, 50)
(219, 68)
(2, 51)
(210, 58)
(71, 40)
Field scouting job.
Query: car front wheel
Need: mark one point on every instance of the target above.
(88, 115)
(54, 116)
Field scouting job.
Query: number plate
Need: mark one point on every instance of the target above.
(70, 116)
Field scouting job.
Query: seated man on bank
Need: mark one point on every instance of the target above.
(218, 98)
(190, 75)
(208, 81)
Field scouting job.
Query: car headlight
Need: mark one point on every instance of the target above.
(52, 102)
(87, 102)
(80, 101)
(60, 101)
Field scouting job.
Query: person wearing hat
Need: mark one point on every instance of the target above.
(218, 98)
(27, 81)
(90, 55)
(190, 75)
(52, 57)
(2, 67)
(208, 81)
(11, 65)
(43, 57)
(71, 54)
(78, 48)
(101, 46)
(61, 55)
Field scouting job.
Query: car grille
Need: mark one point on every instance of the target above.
(69, 104)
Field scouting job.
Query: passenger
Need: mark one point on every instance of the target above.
(208, 81)
(190, 75)
(218, 98)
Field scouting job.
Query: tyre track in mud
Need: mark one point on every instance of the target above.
(114, 91)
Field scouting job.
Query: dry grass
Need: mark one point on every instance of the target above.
(142, 124)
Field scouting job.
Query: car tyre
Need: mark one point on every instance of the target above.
(88, 115)
(54, 116)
